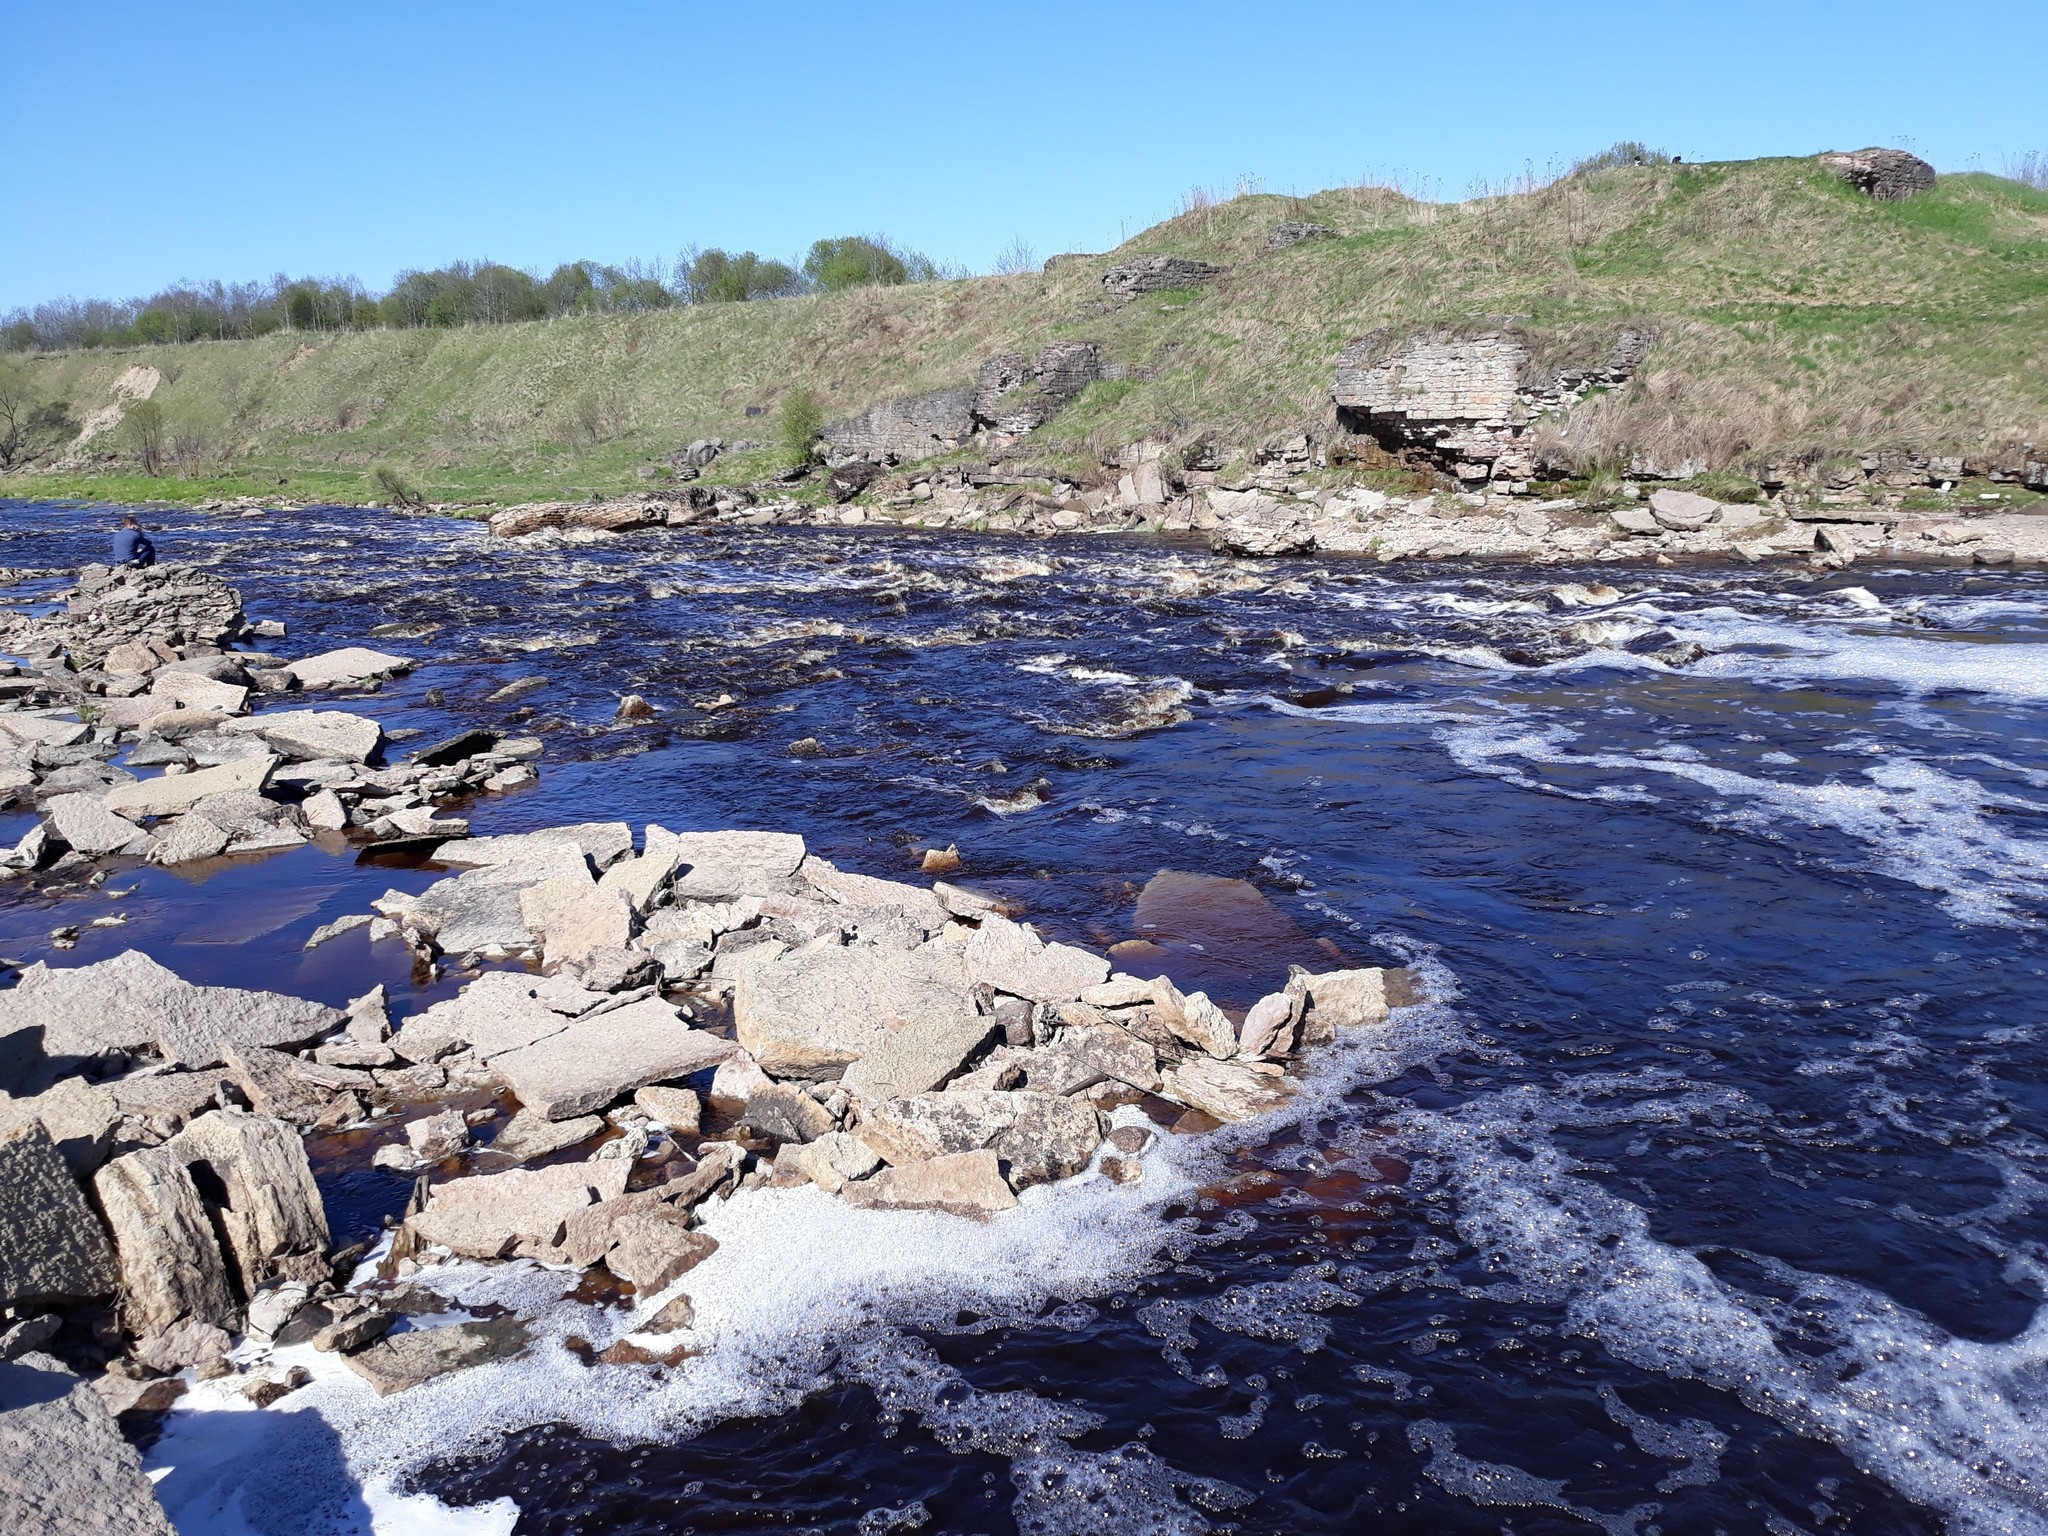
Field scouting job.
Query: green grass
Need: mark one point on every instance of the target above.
(1794, 318)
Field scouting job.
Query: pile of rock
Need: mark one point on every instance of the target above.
(174, 605)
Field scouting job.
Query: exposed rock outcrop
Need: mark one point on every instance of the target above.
(897, 430)
(1889, 175)
(1157, 274)
(1286, 236)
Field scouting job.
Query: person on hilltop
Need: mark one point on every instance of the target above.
(131, 545)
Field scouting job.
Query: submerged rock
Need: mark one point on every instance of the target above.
(401, 1360)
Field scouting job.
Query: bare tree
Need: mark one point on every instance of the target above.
(1016, 257)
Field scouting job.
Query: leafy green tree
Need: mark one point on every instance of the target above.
(855, 261)
(798, 425)
(717, 277)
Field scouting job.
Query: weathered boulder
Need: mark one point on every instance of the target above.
(311, 735)
(813, 1013)
(831, 1162)
(1050, 1138)
(173, 605)
(401, 1360)
(1227, 1090)
(252, 1172)
(171, 1265)
(677, 1109)
(65, 1468)
(1012, 958)
(1889, 175)
(192, 690)
(167, 795)
(599, 1059)
(1636, 520)
(1353, 999)
(350, 664)
(1194, 1019)
(492, 1215)
(645, 1238)
(1683, 511)
(1157, 274)
(188, 839)
(1256, 526)
(52, 1246)
(1081, 1058)
(963, 1184)
(1268, 1026)
(786, 1114)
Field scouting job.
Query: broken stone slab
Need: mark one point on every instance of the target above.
(831, 1162)
(645, 1239)
(677, 1110)
(168, 795)
(492, 1215)
(1268, 1027)
(919, 1057)
(496, 1013)
(1683, 511)
(1081, 1058)
(253, 1175)
(1353, 999)
(313, 735)
(1194, 1019)
(597, 919)
(286, 1088)
(190, 690)
(79, 1118)
(435, 1137)
(170, 1099)
(170, 1263)
(491, 909)
(1039, 1137)
(1636, 520)
(813, 1013)
(528, 1135)
(350, 664)
(83, 823)
(185, 1343)
(597, 1060)
(458, 748)
(604, 843)
(42, 730)
(188, 839)
(65, 1467)
(866, 893)
(1012, 958)
(1228, 1090)
(1051, 1138)
(401, 1360)
(962, 1183)
(786, 1114)
(726, 866)
(52, 1246)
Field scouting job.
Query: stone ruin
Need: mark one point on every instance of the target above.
(1157, 274)
(1465, 403)
(1889, 175)
(1011, 395)
(179, 605)
(1284, 237)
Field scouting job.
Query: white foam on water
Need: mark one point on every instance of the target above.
(1958, 1426)
(1937, 830)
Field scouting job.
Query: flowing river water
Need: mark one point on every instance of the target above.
(1706, 1194)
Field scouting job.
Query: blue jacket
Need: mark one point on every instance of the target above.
(132, 547)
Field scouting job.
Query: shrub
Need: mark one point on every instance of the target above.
(1626, 152)
(144, 425)
(798, 426)
(864, 261)
(718, 277)
(395, 488)
(29, 425)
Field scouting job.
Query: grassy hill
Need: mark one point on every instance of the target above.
(1795, 318)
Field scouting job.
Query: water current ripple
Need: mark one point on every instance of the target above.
(1706, 1196)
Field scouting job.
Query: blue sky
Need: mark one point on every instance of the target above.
(149, 142)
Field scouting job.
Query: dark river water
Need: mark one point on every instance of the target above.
(1707, 1195)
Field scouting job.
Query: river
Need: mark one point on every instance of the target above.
(1705, 1195)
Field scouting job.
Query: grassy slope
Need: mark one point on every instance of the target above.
(1793, 315)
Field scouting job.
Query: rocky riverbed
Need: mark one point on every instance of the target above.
(1182, 1040)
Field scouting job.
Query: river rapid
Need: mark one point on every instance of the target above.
(1706, 1194)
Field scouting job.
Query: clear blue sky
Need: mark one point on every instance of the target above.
(148, 142)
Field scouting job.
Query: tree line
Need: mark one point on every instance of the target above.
(461, 293)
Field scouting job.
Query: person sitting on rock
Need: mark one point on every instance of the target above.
(132, 547)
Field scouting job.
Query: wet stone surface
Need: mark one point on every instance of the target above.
(1706, 1199)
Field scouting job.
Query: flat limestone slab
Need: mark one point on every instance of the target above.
(401, 1360)
(351, 664)
(814, 1013)
(918, 1057)
(168, 795)
(719, 866)
(486, 1216)
(604, 842)
(65, 1469)
(597, 1060)
(309, 735)
(1012, 958)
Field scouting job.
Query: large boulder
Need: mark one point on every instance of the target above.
(52, 1246)
(65, 1468)
(171, 1265)
(815, 1012)
(1889, 175)
(253, 1174)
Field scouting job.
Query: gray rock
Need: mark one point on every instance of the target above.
(1889, 175)
(434, 1137)
(272, 1308)
(786, 1114)
(401, 1360)
(188, 839)
(178, 605)
(813, 1013)
(728, 866)
(1682, 511)
(79, 1118)
(1012, 958)
(309, 735)
(597, 1060)
(1227, 1090)
(493, 1215)
(83, 823)
(1194, 1019)
(1081, 1058)
(962, 1183)
(1156, 274)
(1353, 999)
(171, 1262)
(928, 1125)
(1268, 1027)
(253, 1174)
(595, 920)
(167, 796)
(187, 1342)
(1050, 1138)
(65, 1469)
(52, 1246)
(351, 664)
(644, 1239)
(677, 1109)
(919, 1057)
(867, 894)
(831, 1162)
(1637, 520)
(528, 1135)
(894, 431)
(604, 843)
(304, 1093)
